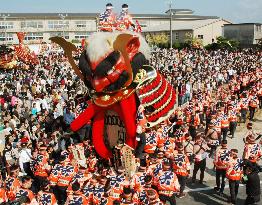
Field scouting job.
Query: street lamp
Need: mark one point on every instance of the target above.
(63, 16)
(171, 31)
(5, 16)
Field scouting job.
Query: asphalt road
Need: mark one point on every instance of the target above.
(208, 196)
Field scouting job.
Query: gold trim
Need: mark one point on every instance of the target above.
(152, 91)
(140, 76)
(152, 124)
(114, 99)
(126, 92)
(157, 99)
(105, 98)
(161, 119)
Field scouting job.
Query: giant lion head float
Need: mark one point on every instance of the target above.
(114, 66)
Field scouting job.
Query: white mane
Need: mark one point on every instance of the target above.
(99, 44)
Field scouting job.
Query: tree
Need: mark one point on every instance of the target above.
(75, 41)
(227, 43)
(259, 44)
(193, 41)
(149, 39)
(160, 40)
(177, 45)
(223, 43)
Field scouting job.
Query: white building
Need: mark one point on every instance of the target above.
(206, 28)
(41, 26)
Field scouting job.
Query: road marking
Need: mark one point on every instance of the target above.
(209, 188)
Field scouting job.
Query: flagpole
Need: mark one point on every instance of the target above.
(171, 31)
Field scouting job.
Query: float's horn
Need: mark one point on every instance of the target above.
(68, 49)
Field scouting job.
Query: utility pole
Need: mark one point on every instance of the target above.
(5, 17)
(171, 32)
(63, 16)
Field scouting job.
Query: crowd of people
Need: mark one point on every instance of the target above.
(42, 162)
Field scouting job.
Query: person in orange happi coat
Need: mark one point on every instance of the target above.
(224, 123)
(151, 193)
(3, 197)
(117, 182)
(12, 183)
(181, 166)
(24, 190)
(124, 20)
(107, 19)
(234, 174)
(129, 197)
(200, 151)
(151, 142)
(244, 102)
(253, 104)
(189, 148)
(252, 149)
(141, 122)
(221, 161)
(168, 184)
(45, 195)
(76, 197)
(60, 177)
(232, 118)
(138, 179)
(41, 167)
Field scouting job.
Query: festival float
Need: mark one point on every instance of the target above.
(17, 56)
(127, 95)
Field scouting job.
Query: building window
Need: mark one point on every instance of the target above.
(143, 24)
(60, 34)
(176, 35)
(81, 35)
(6, 25)
(32, 24)
(58, 24)
(80, 24)
(200, 36)
(7, 37)
(258, 28)
(33, 36)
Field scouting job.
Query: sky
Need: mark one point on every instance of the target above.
(236, 11)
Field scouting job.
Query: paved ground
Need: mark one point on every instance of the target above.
(210, 197)
(204, 194)
(236, 142)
